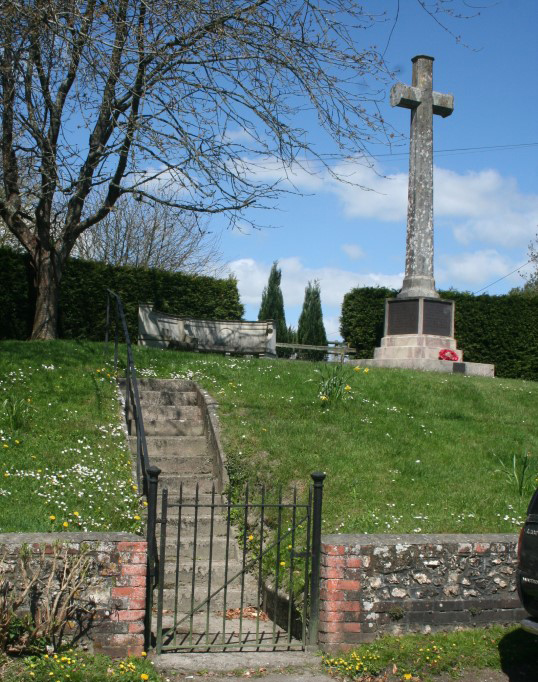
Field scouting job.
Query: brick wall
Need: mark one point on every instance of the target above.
(373, 584)
(114, 589)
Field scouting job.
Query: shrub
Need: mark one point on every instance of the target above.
(502, 330)
(83, 296)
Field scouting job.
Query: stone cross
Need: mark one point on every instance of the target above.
(423, 102)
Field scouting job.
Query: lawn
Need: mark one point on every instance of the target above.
(404, 451)
(64, 464)
(420, 658)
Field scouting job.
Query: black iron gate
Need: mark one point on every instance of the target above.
(235, 574)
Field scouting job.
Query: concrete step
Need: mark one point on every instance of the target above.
(203, 525)
(190, 481)
(153, 384)
(158, 412)
(173, 427)
(202, 551)
(202, 572)
(183, 446)
(184, 465)
(233, 596)
(167, 397)
(254, 634)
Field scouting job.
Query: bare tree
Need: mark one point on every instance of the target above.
(120, 97)
(152, 236)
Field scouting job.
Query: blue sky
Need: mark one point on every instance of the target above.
(486, 190)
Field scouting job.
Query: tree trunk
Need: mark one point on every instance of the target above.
(48, 269)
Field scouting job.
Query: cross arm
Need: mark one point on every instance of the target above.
(443, 105)
(404, 96)
(409, 97)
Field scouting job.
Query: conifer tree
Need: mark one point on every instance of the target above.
(311, 329)
(272, 306)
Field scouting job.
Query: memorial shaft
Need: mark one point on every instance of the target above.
(423, 102)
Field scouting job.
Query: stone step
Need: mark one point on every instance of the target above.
(167, 397)
(202, 551)
(218, 569)
(173, 427)
(153, 384)
(158, 412)
(203, 525)
(198, 464)
(233, 596)
(184, 446)
(190, 481)
(261, 634)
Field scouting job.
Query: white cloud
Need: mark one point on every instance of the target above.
(478, 268)
(478, 206)
(334, 282)
(486, 207)
(353, 251)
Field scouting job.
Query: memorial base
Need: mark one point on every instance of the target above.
(416, 330)
(428, 365)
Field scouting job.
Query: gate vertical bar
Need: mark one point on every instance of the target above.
(162, 553)
(318, 477)
(153, 481)
(210, 569)
(260, 572)
(291, 555)
(194, 543)
(178, 546)
(226, 557)
(277, 567)
(245, 525)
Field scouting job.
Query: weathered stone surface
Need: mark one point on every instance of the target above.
(162, 330)
(424, 103)
(417, 583)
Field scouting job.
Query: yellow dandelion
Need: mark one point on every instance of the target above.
(251, 537)
(356, 369)
(143, 653)
(347, 387)
(282, 563)
(6, 445)
(366, 370)
(17, 442)
(76, 514)
(52, 517)
(65, 524)
(136, 517)
(143, 676)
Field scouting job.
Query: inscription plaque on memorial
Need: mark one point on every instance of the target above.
(402, 316)
(437, 318)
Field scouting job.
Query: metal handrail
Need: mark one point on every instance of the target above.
(147, 475)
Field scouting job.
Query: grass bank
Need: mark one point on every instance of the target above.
(404, 451)
(63, 459)
(424, 657)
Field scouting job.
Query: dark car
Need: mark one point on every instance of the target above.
(527, 572)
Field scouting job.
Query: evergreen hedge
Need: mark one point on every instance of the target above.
(502, 330)
(83, 296)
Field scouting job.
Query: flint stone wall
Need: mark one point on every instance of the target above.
(375, 584)
(113, 595)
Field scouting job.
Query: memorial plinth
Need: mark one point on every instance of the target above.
(417, 328)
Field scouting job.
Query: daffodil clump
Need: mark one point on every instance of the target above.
(64, 459)
(76, 666)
